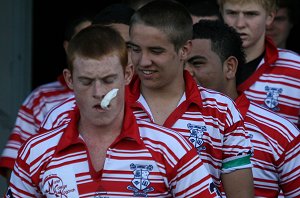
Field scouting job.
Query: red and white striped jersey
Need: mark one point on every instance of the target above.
(276, 143)
(210, 120)
(276, 83)
(145, 160)
(30, 116)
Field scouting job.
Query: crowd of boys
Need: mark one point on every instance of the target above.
(203, 110)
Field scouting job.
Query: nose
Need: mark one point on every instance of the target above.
(99, 91)
(240, 21)
(144, 59)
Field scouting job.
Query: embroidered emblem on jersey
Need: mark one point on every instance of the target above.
(140, 181)
(213, 189)
(197, 135)
(55, 187)
(9, 193)
(273, 94)
(60, 182)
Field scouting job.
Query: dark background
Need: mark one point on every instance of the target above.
(49, 20)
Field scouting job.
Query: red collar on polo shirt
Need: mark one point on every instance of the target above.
(271, 55)
(242, 104)
(191, 91)
(71, 135)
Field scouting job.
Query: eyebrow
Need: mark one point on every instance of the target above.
(196, 57)
(131, 44)
(113, 75)
(243, 11)
(151, 47)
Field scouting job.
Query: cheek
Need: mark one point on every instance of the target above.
(229, 20)
(134, 57)
(201, 74)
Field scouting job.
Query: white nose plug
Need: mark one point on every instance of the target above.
(108, 98)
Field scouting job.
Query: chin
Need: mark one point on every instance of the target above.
(102, 123)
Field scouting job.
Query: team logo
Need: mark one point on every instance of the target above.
(272, 97)
(140, 181)
(213, 189)
(196, 136)
(55, 186)
(9, 193)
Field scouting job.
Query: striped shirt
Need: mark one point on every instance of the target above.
(276, 142)
(145, 160)
(30, 116)
(210, 120)
(276, 83)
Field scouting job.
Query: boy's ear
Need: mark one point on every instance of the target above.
(230, 67)
(270, 18)
(185, 50)
(129, 71)
(65, 45)
(68, 78)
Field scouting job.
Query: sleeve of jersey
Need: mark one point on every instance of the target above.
(21, 183)
(191, 179)
(237, 147)
(25, 126)
(289, 169)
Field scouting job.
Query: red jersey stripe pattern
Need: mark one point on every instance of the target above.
(147, 161)
(276, 142)
(30, 115)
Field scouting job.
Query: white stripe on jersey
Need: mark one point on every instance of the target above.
(271, 136)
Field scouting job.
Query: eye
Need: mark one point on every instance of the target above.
(251, 14)
(109, 80)
(135, 49)
(157, 51)
(280, 19)
(128, 46)
(231, 13)
(86, 81)
(197, 64)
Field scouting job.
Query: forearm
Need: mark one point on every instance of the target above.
(238, 184)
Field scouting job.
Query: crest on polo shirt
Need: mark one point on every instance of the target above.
(60, 182)
(271, 100)
(9, 193)
(196, 136)
(141, 184)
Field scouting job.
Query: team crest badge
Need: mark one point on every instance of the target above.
(273, 94)
(9, 193)
(196, 136)
(140, 181)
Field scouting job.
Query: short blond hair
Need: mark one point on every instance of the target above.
(268, 5)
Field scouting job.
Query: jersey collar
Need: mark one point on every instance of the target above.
(71, 135)
(191, 90)
(242, 104)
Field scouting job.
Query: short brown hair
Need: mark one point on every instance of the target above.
(268, 5)
(168, 16)
(95, 42)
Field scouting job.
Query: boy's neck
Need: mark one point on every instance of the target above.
(252, 52)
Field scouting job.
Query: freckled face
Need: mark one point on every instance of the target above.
(91, 80)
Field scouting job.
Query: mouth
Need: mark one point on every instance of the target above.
(97, 107)
(242, 35)
(147, 73)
